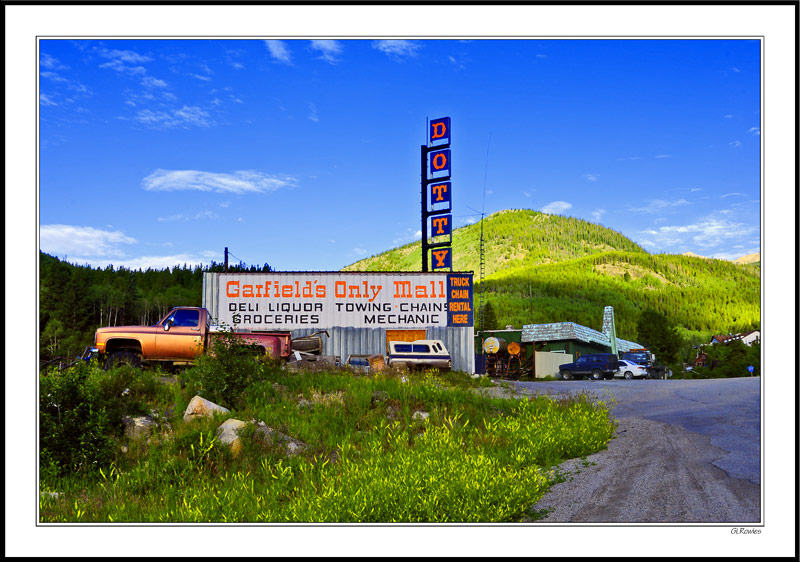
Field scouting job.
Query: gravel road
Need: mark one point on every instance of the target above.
(685, 451)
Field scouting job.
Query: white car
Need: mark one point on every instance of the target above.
(630, 370)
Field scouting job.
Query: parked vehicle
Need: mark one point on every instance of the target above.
(179, 338)
(597, 366)
(359, 363)
(630, 370)
(646, 359)
(418, 354)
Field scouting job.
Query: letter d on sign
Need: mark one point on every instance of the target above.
(440, 131)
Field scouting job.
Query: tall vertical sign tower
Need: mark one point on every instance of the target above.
(436, 195)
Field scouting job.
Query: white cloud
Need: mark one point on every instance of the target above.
(704, 236)
(48, 61)
(732, 194)
(598, 214)
(78, 241)
(312, 116)
(728, 116)
(736, 144)
(240, 182)
(182, 217)
(556, 207)
(657, 205)
(151, 82)
(754, 131)
(360, 251)
(663, 155)
(329, 49)
(278, 51)
(130, 57)
(45, 100)
(396, 48)
(183, 117)
(590, 177)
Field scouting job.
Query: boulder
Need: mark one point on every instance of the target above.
(228, 434)
(420, 415)
(138, 427)
(202, 408)
(267, 435)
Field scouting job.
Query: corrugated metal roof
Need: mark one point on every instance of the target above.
(557, 331)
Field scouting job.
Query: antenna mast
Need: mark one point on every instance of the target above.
(483, 255)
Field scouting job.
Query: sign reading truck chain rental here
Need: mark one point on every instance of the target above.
(286, 301)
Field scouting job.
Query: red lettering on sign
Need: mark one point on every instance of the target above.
(438, 189)
(439, 161)
(438, 223)
(439, 130)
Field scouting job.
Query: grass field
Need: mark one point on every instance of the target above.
(386, 447)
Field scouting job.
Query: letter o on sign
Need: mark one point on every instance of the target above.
(440, 161)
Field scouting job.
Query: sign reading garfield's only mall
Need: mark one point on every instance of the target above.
(286, 301)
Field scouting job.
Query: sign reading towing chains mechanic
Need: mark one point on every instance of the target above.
(436, 186)
(285, 301)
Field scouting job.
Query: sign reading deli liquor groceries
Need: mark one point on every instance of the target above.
(286, 301)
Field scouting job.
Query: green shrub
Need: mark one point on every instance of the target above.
(73, 423)
(223, 375)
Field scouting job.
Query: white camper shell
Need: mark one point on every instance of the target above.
(419, 354)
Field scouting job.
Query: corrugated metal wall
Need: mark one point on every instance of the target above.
(344, 341)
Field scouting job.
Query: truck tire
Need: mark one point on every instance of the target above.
(597, 375)
(566, 375)
(628, 375)
(122, 358)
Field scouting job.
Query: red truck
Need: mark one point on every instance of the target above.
(179, 338)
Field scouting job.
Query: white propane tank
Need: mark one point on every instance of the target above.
(494, 345)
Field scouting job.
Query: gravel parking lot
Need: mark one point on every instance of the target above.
(685, 451)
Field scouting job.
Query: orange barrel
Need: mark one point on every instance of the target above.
(514, 348)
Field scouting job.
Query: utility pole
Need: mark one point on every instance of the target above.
(226, 259)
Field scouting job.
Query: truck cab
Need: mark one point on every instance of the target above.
(179, 338)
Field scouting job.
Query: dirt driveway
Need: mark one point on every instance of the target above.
(685, 451)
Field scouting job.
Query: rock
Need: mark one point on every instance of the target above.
(202, 408)
(378, 397)
(267, 435)
(228, 434)
(138, 427)
(420, 415)
(304, 404)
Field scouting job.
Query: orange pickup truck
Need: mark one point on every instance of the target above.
(179, 338)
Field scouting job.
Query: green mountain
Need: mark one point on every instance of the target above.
(548, 268)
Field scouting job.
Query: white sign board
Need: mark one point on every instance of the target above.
(287, 301)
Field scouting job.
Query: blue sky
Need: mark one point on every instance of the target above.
(304, 154)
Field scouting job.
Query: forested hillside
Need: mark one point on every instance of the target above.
(513, 238)
(75, 300)
(548, 268)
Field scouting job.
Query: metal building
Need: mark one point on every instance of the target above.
(356, 309)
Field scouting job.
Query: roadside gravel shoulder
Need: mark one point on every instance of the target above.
(651, 472)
